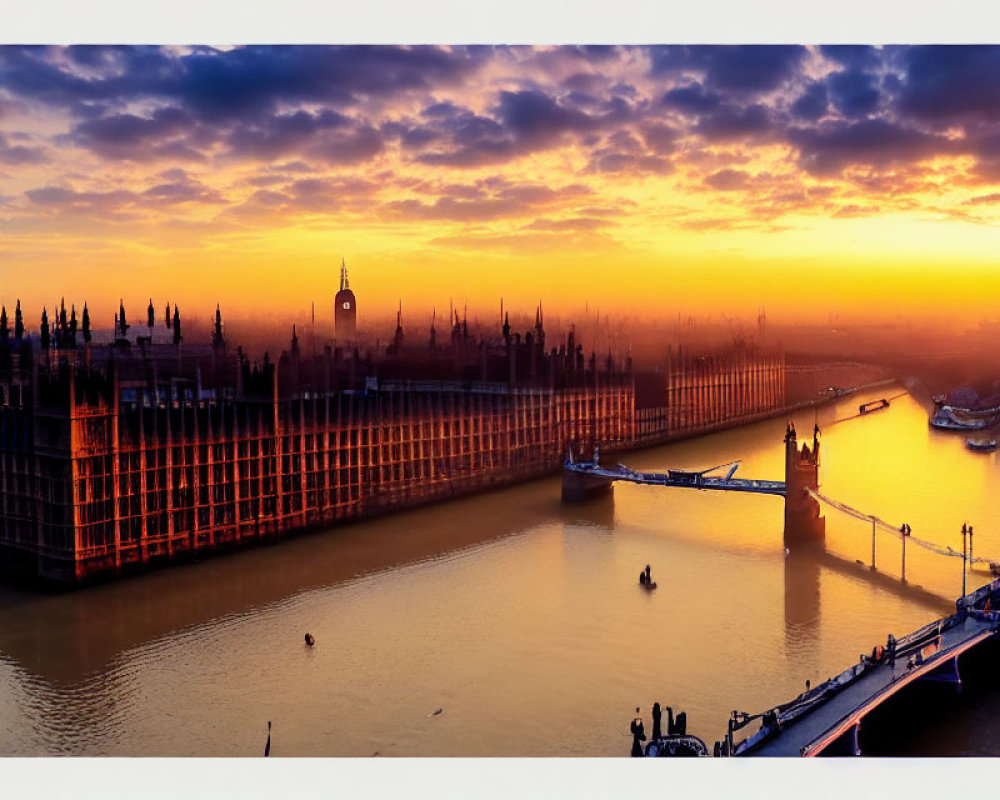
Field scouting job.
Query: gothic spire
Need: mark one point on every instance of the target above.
(45, 329)
(85, 326)
(177, 326)
(217, 338)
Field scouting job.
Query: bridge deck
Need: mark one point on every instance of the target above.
(686, 479)
(814, 720)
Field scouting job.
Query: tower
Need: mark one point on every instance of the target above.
(803, 522)
(345, 308)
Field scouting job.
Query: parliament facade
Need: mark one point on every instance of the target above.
(145, 449)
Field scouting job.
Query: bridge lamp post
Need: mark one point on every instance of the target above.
(964, 556)
(904, 529)
(970, 549)
(873, 543)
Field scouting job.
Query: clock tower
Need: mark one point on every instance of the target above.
(345, 308)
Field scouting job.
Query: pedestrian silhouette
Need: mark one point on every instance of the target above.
(638, 734)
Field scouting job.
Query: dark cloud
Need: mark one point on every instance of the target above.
(624, 152)
(247, 96)
(733, 68)
(257, 79)
(586, 82)
(832, 147)
(122, 204)
(16, 154)
(525, 121)
(661, 139)
(348, 147)
(471, 141)
(442, 110)
(411, 136)
(181, 189)
(275, 136)
(852, 56)
(598, 52)
(99, 205)
(611, 161)
(854, 93)
(536, 119)
(946, 83)
(728, 179)
(692, 99)
(131, 137)
(729, 123)
(175, 193)
(812, 103)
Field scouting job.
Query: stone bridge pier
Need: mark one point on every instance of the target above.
(803, 522)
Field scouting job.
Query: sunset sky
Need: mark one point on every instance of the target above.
(649, 179)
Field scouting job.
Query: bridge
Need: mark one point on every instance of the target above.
(827, 719)
(583, 480)
(582, 471)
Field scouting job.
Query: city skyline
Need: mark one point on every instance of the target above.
(689, 178)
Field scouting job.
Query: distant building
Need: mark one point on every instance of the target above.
(345, 309)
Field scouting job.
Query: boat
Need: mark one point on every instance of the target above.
(949, 418)
(648, 586)
(874, 405)
(981, 445)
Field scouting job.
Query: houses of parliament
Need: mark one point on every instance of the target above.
(131, 447)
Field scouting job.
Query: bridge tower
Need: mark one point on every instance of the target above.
(803, 523)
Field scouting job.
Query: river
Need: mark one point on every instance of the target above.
(520, 618)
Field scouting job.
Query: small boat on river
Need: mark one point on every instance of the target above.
(874, 405)
(981, 445)
(949, 418)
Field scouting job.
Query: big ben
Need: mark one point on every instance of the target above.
(345, 309)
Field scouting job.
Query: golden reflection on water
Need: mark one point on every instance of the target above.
(518, 616)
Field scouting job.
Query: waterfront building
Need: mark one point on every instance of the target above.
(138, 448)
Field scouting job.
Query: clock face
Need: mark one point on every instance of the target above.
(347, 305)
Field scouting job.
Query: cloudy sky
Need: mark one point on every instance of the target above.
(642, 178)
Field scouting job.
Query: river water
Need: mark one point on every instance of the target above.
(519, 617)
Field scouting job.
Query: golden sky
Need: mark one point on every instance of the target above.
(649, 179)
